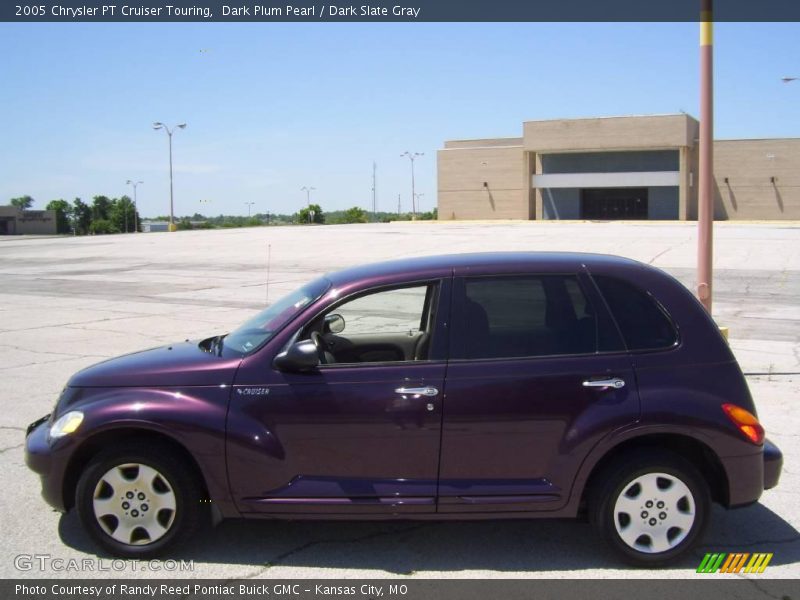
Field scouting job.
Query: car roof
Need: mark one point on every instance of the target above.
(479, 262)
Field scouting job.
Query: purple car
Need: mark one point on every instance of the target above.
(475, 386)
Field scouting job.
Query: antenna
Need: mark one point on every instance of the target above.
(269, 257)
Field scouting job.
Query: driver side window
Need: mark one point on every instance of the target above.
(389, 325)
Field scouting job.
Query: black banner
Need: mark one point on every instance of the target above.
(143, 11)
(711, 588)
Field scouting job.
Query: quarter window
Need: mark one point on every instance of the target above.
(643, 323)
(527, 316)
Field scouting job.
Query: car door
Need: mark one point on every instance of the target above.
(358, 435)
(537, 376)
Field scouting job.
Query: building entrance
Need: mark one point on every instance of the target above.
(607, 204)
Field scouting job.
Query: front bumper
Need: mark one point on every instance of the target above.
(43, 459)
(773, 464)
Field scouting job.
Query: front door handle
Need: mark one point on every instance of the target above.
(429, 391)
(614, 382)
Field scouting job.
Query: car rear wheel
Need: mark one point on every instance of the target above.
(651, 508)
(138, 500)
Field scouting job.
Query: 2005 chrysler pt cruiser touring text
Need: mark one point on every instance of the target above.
(498, 385)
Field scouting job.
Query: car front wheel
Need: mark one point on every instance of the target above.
(651, 509)
(138, 500)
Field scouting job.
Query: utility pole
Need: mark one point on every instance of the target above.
(398, 206)
(249, 204)
(705, 213)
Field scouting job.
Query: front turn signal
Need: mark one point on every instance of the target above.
(746, 422)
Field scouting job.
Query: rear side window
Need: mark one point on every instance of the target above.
(643, 322)
(524, 316)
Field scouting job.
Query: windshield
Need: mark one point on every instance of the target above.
(257, 330)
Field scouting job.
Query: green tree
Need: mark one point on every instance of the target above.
(304, 215)
(101, 207)
(355, 215)
(122, 214)
(81, 216)
(22, 203)
(101, 226)
(63, 215)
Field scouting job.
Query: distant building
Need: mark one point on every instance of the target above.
(636, 167)
(154, 226)
(14, 221)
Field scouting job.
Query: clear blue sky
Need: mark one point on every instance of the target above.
(273, 107)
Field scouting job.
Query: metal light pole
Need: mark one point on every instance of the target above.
(412, 157)
(374, 190)
(705, 213)
(159, 125)
(249, 204)
(308, 190)
(135, 220)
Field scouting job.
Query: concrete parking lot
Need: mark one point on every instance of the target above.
(68, 302)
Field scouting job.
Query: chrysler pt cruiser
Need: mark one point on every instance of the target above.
(475, 386)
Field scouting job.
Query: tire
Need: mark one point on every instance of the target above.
(651, 508)
(138, 500)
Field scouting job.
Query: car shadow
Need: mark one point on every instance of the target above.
(406, 547)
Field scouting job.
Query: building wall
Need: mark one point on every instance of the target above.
(563, 203)
(610, 133)
(33, 222)
(507, 164)
(749, 192)
(463, 172)
(663, 203)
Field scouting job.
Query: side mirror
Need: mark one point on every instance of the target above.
(299, 357)
(334, 323)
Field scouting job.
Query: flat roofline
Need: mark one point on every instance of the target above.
(495, 141)
(771, 139)
(609, 117)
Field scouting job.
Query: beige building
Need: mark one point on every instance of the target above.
(638, 167)
(14, 221)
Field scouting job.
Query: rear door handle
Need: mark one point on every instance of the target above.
(429, 391)
(614, 382)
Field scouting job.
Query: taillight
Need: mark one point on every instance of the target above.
(746, 422)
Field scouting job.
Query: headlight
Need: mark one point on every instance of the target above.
(66, 424)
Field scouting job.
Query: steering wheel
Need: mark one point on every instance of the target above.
(316, 338)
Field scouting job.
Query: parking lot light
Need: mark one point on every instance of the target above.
(160, 125)
(135, 219)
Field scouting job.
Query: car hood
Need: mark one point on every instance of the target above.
(183, 364)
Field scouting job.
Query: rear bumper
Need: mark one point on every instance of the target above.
(749, 475)
(773, 464)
